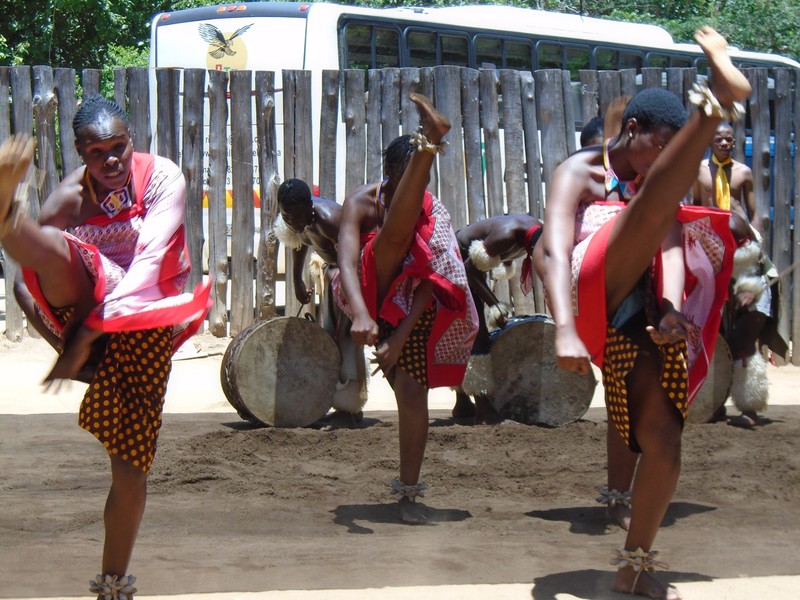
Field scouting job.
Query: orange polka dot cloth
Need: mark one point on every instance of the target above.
(708, 249)
(620, 355)
(122, 405)
(414, 355)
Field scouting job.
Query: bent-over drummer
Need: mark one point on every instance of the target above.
(491, 246)
(305, 221)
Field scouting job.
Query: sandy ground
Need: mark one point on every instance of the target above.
(238, 508)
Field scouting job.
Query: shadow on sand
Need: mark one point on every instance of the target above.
(590, 584)
(347, 515)
(592, 520)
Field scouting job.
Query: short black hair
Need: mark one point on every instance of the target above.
(396, 157)
(93, 110)
(293, 194)
(592, 129)
(655, 107)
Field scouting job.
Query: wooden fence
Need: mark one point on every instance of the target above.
(511, 130)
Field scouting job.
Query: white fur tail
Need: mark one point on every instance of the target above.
(750, 388)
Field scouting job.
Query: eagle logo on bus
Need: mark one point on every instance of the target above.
(220, 45)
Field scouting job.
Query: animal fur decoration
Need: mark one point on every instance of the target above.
(286, 235)
(480, 257)
(504, 271)
(749, 387)
(747, 267)
(316, 271)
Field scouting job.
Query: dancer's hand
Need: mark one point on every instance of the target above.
(387, 354)
(571, 353)
(672, 327)
(77, 350)
(364, 330)
(302, 293)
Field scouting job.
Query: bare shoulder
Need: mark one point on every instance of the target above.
(360, 198)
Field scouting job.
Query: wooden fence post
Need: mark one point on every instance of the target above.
(782, 192)
(390, 107)
(139, 88)
(194, 88)
(590, 95)
(13, 316)
(67, 107)
(90, 82)
(269, 180)
(551, 120)
(452, 185)
(168, 105)
(473, 156)
(44, 116)
(374, 147)
(490, 122)
(409, 82)
(242, 214)
(354, 133)
(121, 88)
(795, 288)
(217, 213)
(328, 137)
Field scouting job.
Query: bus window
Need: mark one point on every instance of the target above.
(606, 59)
(422, 48)
(455, 50)
(657, 60)
(488, 51)
(359, 46)
(681, 61)
(577, 58)
(702, 66)
(518, 56)
(630, 60)
(548, 56)
(387, 48)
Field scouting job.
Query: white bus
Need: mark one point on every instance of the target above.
(273, 36)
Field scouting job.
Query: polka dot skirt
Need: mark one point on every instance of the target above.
(620, 356)
(122, 406)
(414, 355)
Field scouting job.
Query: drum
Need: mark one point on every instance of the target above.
(527, 385)
(715, 388)
(282, 372)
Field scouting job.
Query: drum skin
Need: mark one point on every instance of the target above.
(281, 372)
(528, 387)
(715, 388)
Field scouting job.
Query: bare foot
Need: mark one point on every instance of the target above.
(727, 82)
(434, 124)
(16, 154)
(411, 512)
(645, 585)
(620, 514)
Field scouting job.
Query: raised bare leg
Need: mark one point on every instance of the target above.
(412, 415)
(650, 214)
(397, 233)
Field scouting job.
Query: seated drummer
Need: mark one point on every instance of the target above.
(492, 245)
(305, 221)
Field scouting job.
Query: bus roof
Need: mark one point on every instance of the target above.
(511, 19)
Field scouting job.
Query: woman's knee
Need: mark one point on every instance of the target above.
(126, 477)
